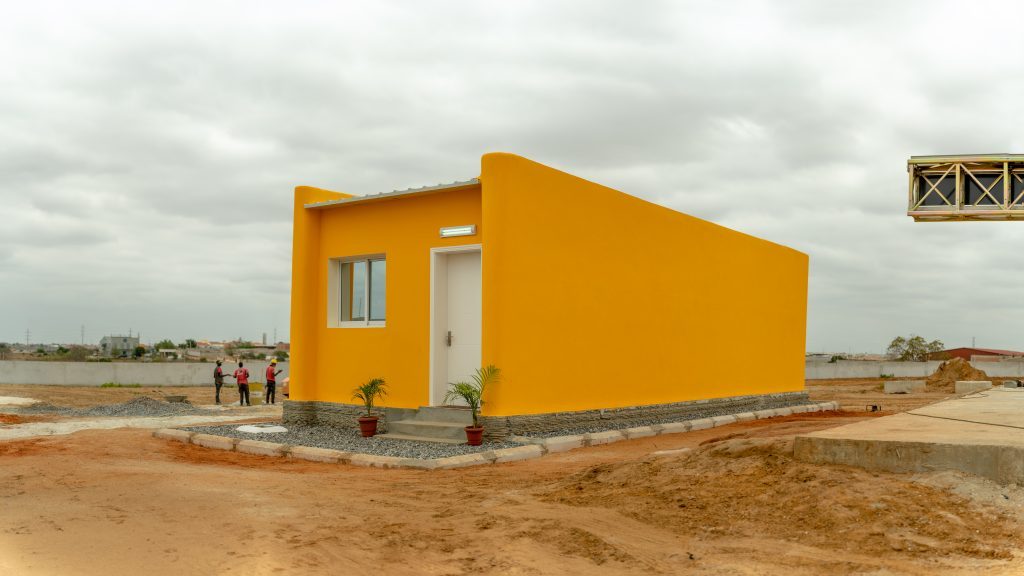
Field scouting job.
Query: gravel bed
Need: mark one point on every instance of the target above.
(349, 440)
(637, 422)
(136, 407)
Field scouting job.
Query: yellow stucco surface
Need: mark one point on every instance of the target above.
(591, 298)
(596, 299)
(404, 229)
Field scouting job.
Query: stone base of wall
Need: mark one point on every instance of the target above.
(329, 414)
(554, 423)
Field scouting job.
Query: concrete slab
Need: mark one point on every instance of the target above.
(702, 424)
(318, 454)
(968, 386)
(980, 434)
(17, 401)
(674, 427)
(374, 461)
(461, 461)
(176, 435)
(905, 386)
(211, 441)
(563, 443)
(260, 448)
(640, 432)
(598, 438)
(518, 453)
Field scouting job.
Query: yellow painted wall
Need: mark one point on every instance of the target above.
(404, 229)
(305, 262)
(593, 298)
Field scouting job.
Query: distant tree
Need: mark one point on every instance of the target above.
(164, 345)
(190, 343)
(913, 349)
(40, 351)
(139, 352)
(281, 355)
(5, 349)
(77, 353)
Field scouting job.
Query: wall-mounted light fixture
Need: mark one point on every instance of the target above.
(451, 231)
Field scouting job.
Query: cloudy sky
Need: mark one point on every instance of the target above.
(148, 151)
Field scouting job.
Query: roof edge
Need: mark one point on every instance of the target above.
(396, 194)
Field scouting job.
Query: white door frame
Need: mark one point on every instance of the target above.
(438, 350)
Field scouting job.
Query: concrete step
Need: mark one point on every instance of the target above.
(453, 414)
(394, 436)
(428, 429)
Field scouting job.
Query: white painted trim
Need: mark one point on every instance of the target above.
(432, 336)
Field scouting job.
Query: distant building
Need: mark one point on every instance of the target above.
(967, 353)
(118, 345)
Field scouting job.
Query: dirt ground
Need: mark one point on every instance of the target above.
(84, 396)
(858, 394)
(725, 501)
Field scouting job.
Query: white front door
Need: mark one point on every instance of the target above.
(455, 318)
(462, 337)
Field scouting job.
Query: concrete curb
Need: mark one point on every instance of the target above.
(531, 448)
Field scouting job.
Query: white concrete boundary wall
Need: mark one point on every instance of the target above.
(817, 370)
(145, 373)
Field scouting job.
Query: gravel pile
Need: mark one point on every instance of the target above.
(144, 406)
(349, 440)
(41, 408)
(136, 407)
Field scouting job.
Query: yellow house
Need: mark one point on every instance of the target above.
(593, 303)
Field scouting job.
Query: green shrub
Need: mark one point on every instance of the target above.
(119, 385)
(369, 392)
(472, 392)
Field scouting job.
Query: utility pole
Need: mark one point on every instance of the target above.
(972, 341)
(28, 335)
(83, 334)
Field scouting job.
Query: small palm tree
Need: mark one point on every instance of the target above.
(369, 392)
(472, 392)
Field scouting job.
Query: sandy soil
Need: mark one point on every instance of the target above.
(84, 396)
(856, 395)
(723, 501)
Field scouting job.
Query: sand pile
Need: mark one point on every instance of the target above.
(743, 489)
(952, 370)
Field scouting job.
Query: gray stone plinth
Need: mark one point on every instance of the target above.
(968, 386)
(905, 386)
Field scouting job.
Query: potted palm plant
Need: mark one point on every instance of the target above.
(367, 394)
(472, 394)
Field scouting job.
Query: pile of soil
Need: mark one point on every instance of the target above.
(950, 371)
(751, 488)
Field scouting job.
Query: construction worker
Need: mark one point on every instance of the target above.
(218, 379)
(270, 394)
(242, 377)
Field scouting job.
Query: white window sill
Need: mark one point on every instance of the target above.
(360, 324)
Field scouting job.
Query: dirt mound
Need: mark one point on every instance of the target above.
(753, 488)
(950, 371)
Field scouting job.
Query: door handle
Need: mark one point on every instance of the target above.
(449, 339)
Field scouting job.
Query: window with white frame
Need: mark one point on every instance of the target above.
(363, 289)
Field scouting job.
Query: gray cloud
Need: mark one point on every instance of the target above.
(147, 154)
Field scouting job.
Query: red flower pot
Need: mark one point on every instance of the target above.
(367, 426)
(474, 435)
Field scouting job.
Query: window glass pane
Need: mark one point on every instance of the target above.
(353, 291)
(378, 284)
